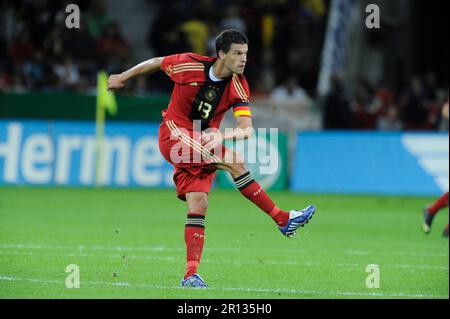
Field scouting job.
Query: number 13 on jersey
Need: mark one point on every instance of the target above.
(204, 108)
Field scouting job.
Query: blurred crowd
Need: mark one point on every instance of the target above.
(286, 38)
(43, 55)
(284, 35)
(417, 107)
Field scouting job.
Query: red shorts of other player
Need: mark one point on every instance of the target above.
(194, 164)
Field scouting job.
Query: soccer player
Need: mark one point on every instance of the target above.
(204, 89)
(442, 201)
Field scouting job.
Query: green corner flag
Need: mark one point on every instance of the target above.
(105, 98)
(105, 101)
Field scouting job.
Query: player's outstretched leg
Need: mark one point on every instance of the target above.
(288, 222)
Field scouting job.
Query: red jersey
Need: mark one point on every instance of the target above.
(197, 97)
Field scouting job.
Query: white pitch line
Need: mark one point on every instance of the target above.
(29, 253)
(397, 253)
(225, 261)
(82, 247)
(253, 290)
(216, 249)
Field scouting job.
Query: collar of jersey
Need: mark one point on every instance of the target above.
(212, 76)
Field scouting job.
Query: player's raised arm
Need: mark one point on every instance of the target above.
(117, 81)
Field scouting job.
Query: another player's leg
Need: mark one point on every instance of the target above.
(288, 222)
(430, 212)
(445, 232)
(194, 237)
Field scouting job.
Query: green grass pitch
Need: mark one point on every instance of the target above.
(129, 243)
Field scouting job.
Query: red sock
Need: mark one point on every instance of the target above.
(194, 237)
(254, 192)
(439, 204)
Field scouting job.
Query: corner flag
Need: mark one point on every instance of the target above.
(105, 101)
(105, 98)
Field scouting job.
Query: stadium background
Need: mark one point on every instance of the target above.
(358, 112)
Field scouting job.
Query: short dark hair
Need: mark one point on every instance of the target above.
(227, 37)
